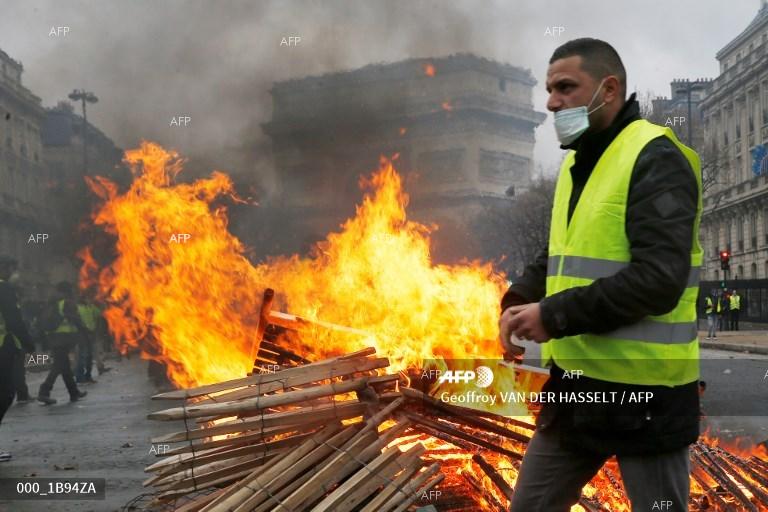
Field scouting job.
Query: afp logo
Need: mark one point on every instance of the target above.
(482, 376)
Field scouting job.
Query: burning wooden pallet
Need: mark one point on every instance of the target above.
(341, 434)
(309, 437)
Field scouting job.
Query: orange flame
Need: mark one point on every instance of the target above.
(192, 302)
(447, 106)
(429, 69)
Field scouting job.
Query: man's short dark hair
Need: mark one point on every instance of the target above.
(598, 59)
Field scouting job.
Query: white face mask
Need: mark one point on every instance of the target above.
(570, 123)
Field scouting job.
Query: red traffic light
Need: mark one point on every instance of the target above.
(725, 256)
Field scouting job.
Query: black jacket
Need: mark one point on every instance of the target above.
(661, 209)
(14, 325)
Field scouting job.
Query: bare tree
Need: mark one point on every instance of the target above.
(519, 228)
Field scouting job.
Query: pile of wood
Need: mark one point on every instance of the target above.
(309, 437)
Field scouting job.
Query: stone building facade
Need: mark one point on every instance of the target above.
(463, 128)
(25, 208)
(736, 132)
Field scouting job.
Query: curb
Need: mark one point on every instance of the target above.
(752, 349)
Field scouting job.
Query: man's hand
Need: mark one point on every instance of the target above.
(525, 323)
(511, 351)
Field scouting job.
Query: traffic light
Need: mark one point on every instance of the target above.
(725, 260)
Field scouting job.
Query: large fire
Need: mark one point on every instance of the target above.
(182, 290)
(192, 302)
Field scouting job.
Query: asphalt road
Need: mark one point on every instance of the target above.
(105, 435)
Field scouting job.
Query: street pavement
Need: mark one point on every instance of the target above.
(754, 342)
(106, 435)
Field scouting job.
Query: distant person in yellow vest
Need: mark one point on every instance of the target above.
(735, 306)
(14, 339)
(64, 329)
(90, 347)
(612, 296)
(712, 310)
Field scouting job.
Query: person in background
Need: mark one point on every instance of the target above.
(723, 316)
(14, 338)
(90, 347)
(735, 306)
(712, 309)
(64, 330)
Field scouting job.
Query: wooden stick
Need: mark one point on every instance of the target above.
(298, 323)
(263, 449)
(495, 477)
(454, 432)
(483, 493)
(464, 415)
(375, 505)
(360, 485)
(261, 402)
(329, 474)
(256, 481)
(340, 410)
(340, 369)
(260, 378)
(266, 306)
(414, 491)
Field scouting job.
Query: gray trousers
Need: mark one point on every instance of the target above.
(551, 478)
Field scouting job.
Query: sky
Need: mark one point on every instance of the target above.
(216, 60)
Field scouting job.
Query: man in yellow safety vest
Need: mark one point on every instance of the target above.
(64, 329)
(712, 310)
(612, 297)
(735, 306)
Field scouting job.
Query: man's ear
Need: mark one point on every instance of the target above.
(612, 88)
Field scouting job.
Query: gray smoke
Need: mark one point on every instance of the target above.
(216, 60)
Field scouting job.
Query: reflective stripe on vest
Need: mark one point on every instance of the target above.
(65, 326)
(658, 350)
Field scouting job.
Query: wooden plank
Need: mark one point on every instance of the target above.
(408, 501)
(389, 490)
(328, 475)
(460, 434)
(339, 410)
(410, 489)
(298, 323)
(368, 482)
(260, 402)
(260, 378)
(256, 481)
(245, 438)
(266, 306)
(340, 369)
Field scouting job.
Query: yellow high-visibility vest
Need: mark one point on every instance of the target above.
(90, 315)
(65, 326)
(657, 350)
(735, 302)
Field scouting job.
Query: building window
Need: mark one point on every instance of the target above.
(714, 234)
(728, 235)
(740, 272)
(753, 271)
(740, 233)
(765, 225)
(753, 230)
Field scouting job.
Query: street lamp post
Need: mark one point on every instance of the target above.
(85, 97)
